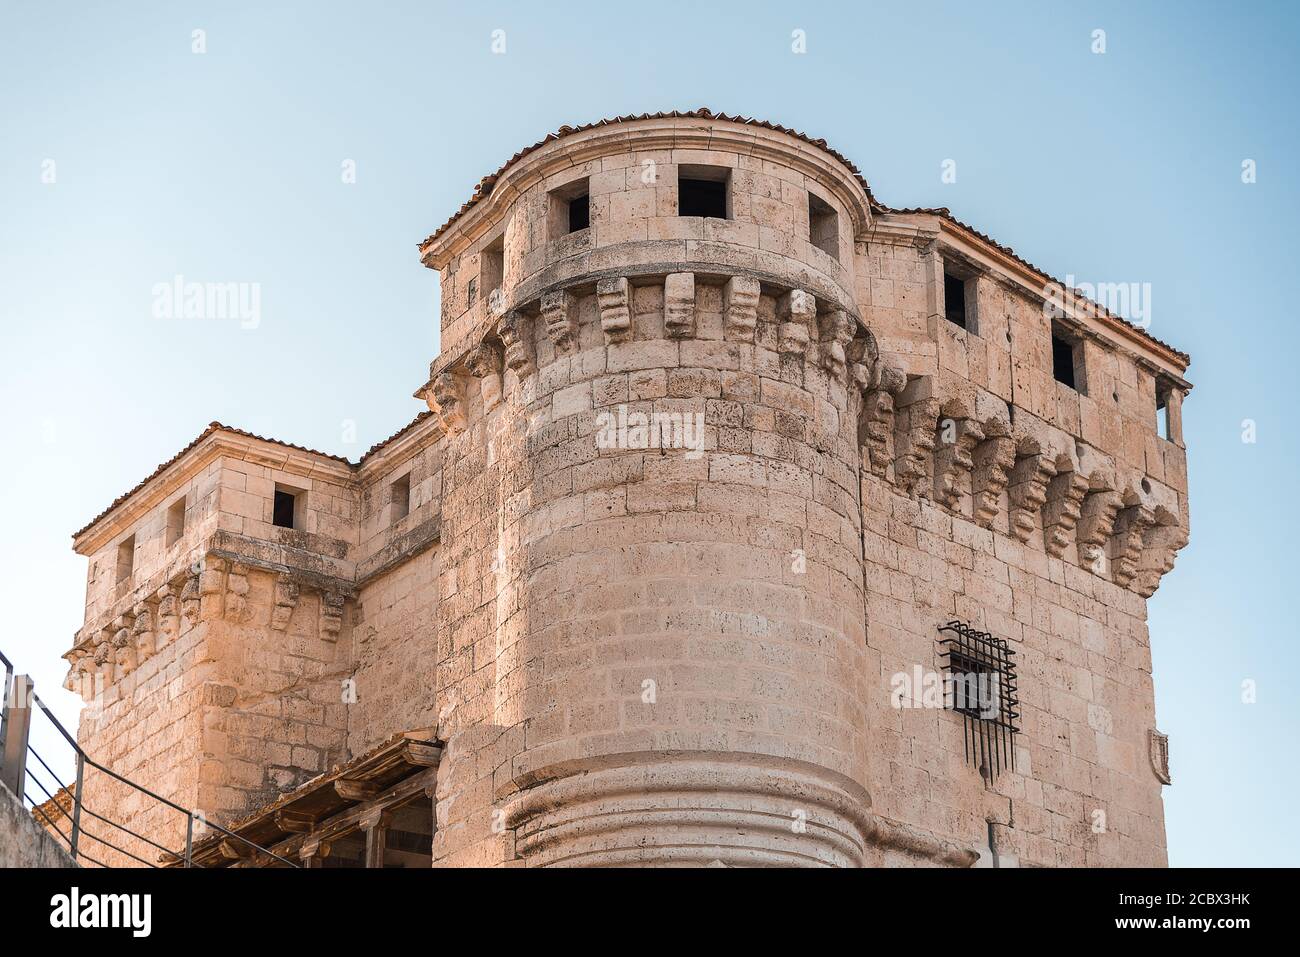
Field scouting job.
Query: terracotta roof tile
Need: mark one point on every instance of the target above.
(943, 211)
(487, 183)
(484, 189)
(219, 427)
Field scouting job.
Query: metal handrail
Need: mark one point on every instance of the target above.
(4, 703)
(78, 805)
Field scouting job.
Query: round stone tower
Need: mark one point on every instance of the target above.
(730, 450)
(652, 376)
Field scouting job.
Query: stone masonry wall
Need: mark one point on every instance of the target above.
(638, 654)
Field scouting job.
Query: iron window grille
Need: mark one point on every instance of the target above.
(980, 685)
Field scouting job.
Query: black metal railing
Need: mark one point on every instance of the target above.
(67, 806)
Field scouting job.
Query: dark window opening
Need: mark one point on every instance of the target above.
(568, 209)
(702, 197)
(954, 299)
(1063, 361)
(823, 226)
(1162, 413)
(579, 213)
(471, 292)
(283, 512)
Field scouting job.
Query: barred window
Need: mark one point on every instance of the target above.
(980, 685)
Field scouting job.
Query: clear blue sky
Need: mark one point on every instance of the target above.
(225, 166)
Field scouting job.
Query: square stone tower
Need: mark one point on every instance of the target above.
(732, 479)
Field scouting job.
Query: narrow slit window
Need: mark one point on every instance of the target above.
(284, 512)
(492, 269)
(399, 498)
(1062, 362)
(175, 521)
(702, 191)
(954, 299)
(125, 560)
(823, 226)
(1162, 413)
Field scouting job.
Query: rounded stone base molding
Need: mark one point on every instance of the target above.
(690, 809)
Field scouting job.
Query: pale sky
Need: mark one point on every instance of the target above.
(225, 166)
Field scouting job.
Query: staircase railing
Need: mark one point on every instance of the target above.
(61, 803)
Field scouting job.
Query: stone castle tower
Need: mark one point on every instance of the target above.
(717, 445)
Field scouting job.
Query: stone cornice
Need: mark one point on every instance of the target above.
(399, 451)
(894, 228)
(662, 133)
(218, 443)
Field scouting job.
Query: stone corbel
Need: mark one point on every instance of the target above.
(1062, 510)
(835, 331)
(614, 298)
(514, 330)
(1127, 540)
(862, 358)
(286, 600)
(81, 674)
(105, 662)
(72, 680)
(446, 399)
(1027, 491)
(168, 615)
(212, 588)
(957, 439)
(914, 437)
(331, 615)
(993, 459)
(142, 632)
(191, 598)
(124, 656)
(1096, 523)
(237, 609)
(1160, 547)
(740, 308)
(878, 415)
(797, 309)
(485, 364)
(679, 305)
(561, 323)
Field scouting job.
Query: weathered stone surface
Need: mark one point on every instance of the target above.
(679, 521)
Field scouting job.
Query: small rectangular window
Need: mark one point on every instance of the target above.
(284, 513)
(175, 521)
(399, 498)
(569, 209)
(579, 213)
(492, 268)
(823, 226)
(954, 299)
(125, 560)
(703, 191)
(1063, 361)
(1162, 413)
